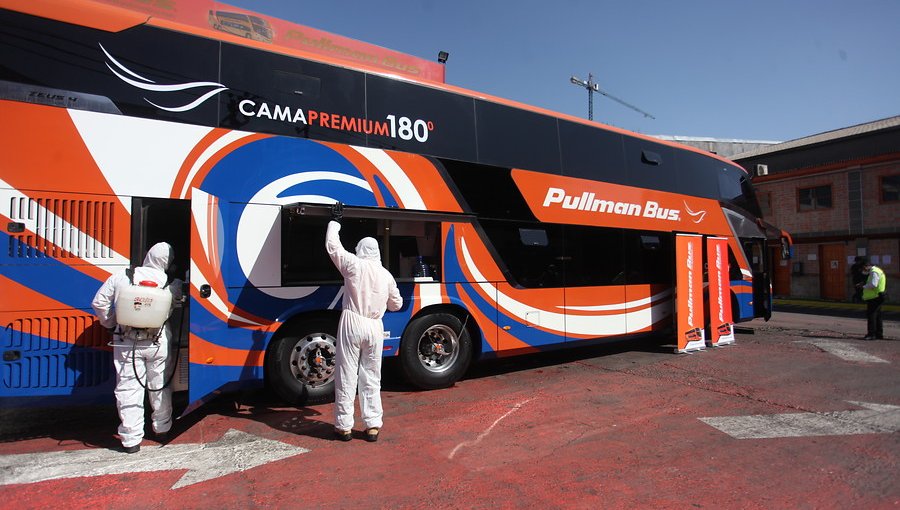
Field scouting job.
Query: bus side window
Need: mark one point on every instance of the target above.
(403, 242)
(532, 253)
(649, 258)
(517, 138)
(303, 257)
(594, 256)
(294, 84)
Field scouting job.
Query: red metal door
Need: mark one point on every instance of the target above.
(781, 273)
(832, 271)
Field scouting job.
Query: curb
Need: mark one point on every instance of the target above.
(830, 304)
(832, 308)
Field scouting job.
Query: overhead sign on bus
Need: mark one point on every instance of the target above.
(392, 126)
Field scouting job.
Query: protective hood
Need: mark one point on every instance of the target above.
(159, 257)
(367, 249)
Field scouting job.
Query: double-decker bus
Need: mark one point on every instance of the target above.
(510, 229)
(244, 25)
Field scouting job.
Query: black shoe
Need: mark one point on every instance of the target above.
(343, 435)
(162, 437)
(869, 337)
(372, 434)
(131, 449)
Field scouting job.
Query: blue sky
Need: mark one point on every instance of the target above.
(761, 70)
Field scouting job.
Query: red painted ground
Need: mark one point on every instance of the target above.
(605, 429)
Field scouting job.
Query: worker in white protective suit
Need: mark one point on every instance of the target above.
(140, 356)
(369, 289)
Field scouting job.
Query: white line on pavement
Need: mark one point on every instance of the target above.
(844, 350)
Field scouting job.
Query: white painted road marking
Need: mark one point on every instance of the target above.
(844, 350)
(236, 451)
(489, 429)
(875, 419)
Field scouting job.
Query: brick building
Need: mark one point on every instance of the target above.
(838, 195)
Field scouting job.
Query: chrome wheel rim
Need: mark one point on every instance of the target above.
(313, 359)
(438, 348)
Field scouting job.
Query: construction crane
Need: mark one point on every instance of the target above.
(592, 87)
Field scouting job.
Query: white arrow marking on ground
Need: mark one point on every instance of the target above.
(236, 451)
(875, 419)
(489, 429)
(844, 350)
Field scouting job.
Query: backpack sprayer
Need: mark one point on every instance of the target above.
(142, 312)
(142, 309)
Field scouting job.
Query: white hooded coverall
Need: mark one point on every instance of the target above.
(150, 356)
(369, 289)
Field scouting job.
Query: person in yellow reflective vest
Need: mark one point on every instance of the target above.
(873, 296)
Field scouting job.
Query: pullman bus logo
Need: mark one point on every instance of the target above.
(589, 202)
(143, 83)
(697, 217)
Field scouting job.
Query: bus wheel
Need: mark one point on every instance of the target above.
(300, 365)
(435, 351)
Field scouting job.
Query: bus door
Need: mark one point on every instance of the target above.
(207, 229)
(155, 220)
(755, 249)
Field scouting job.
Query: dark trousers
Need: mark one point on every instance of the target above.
(873, 316)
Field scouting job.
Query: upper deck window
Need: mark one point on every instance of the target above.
(650, 165)
(516, 138)
(736, 189)
(591, 153)
(421, 119)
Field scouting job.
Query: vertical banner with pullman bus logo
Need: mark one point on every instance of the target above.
(689, 292)
(720, 322)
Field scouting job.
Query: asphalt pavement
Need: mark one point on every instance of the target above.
(799, 413)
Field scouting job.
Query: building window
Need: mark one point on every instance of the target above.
(810, 199)
(890, 188)
(765, 203)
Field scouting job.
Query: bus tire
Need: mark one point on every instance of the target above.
(300, 364)
(435, 351)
